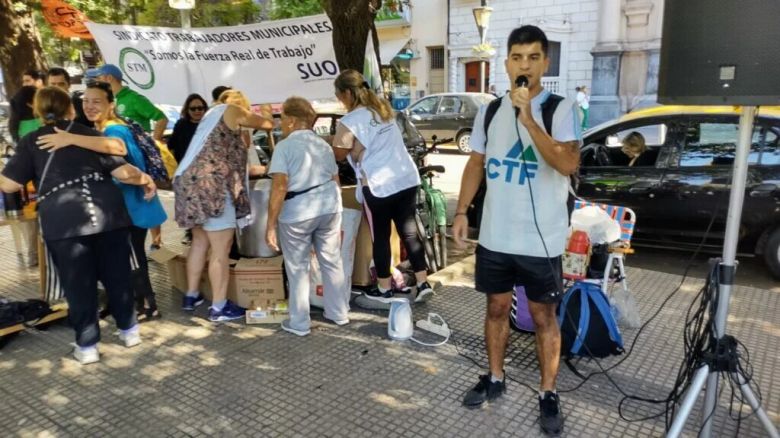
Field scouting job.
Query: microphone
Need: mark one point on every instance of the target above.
(520, 81)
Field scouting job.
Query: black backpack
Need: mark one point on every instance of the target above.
(588, 327)
(22, 312)
(474, 212)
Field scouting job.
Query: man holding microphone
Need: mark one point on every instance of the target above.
(525, 218)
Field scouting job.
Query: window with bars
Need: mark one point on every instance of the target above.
(437, 57)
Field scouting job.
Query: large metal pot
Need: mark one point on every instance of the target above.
(251, 240)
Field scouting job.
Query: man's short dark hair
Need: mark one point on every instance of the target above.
(57, 71)
(527, 34)
(218, 90)
(35, 74)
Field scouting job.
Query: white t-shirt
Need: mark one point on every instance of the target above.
(582, 100)
(308, 161)
(385, 164)
(508, 216)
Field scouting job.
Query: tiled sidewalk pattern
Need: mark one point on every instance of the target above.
(191, 378)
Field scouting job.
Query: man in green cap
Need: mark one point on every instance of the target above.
(130, 104)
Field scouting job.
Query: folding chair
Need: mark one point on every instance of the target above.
(617, 250)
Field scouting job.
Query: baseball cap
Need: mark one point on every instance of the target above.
(105, 69)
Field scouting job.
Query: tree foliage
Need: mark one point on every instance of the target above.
(207, 13)
(281, 9)
(20, 44)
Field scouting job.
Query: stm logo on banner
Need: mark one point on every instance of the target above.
(518, 165)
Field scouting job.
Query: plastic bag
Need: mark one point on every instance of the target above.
(601, 228)
(624, 308)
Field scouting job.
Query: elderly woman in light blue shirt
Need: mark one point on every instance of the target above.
(306, 205)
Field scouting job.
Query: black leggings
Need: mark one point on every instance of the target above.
(81, 262)
(400, 208)
(142, 286)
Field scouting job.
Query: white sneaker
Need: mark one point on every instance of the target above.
(338, 322)
(86, 355)
(288, 328)
(131, 337)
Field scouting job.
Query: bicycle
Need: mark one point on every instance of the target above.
(431, 209)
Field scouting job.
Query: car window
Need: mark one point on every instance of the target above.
(408, 131)
(767, 137)
(425, 106)
(713, 144)
(483, 99)
(449, 104)
(606, 148)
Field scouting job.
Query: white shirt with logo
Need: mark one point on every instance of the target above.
(386, 164)
(511, 168)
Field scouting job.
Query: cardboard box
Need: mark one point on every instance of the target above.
(253, 283)
(348, 199)
(271, 315)
(257, 282)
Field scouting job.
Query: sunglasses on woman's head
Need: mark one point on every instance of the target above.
(197, 108)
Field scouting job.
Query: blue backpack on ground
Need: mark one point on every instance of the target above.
(587, 325)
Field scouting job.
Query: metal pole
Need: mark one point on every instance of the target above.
(482, 76)
(185, 18)
(728, 264)
(753, 402)
(482, 35)
(687, 405)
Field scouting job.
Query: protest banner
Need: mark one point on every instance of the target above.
(268, 61)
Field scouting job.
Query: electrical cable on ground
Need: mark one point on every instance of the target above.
(699, 336)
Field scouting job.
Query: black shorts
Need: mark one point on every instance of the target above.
(498, 272)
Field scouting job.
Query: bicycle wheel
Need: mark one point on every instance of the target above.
(430, 256)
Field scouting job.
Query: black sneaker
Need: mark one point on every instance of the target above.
(550, 418)
(375, 294)
(424, 292)
(484, 391)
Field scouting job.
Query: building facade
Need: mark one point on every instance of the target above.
(625, 57)
(570, 25)
(610, 46)
(412, 46)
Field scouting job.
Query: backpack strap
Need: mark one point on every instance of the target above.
(584, 323)
(548, 110)
(490, 112)
(602, 304)
(563, 306)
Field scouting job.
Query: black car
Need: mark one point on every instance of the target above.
(448, 115)
(679, 187)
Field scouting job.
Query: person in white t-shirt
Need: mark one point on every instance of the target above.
(306, 204)
(525, 217)
(583, 100)
(388, 179)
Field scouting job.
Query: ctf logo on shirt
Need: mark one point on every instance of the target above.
(516, 167)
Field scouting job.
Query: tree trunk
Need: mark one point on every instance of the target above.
(20, 45)
(352, 20)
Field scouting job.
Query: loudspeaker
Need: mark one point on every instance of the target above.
(720, 52)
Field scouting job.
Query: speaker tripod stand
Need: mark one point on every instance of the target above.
(709, 372)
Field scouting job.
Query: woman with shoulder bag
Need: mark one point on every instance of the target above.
(212, 198)
(98, 101)
(84, 222)
(388, 180)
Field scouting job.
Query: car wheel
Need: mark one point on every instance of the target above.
(463, 142)
(772, 253)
